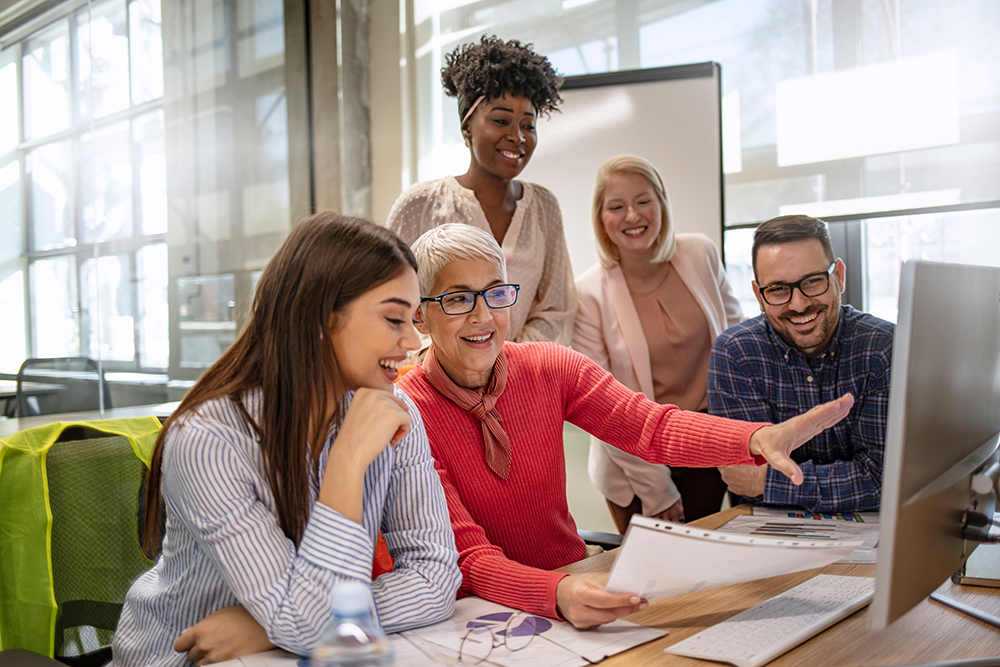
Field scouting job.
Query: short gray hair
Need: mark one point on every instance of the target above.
(451, 242)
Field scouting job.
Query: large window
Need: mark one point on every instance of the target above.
(145, 178)
(834, 108)
(92, 150)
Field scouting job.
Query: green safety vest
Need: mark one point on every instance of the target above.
(29, 597)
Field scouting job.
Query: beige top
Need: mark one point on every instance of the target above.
(608, 331)
(679, 341)
(534, 247)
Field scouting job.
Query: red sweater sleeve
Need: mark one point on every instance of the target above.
(605, 408)
(487, 572)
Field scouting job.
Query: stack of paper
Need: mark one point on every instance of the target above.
(659, 559)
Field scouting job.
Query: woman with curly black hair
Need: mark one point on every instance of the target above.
(501, 88)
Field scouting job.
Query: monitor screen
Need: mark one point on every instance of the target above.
(943, 429)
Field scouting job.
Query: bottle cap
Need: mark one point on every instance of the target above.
(351, 597)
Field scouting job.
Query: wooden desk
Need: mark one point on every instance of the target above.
(929, 632)
(10, 426)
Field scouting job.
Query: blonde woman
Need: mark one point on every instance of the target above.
(648, 313)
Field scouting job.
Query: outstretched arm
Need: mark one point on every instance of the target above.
(776, 443)
(665, 434)
(650, 482)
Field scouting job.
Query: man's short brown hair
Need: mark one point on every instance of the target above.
(789, 228)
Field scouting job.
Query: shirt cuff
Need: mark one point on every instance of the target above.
(334, 542)
(753, 428)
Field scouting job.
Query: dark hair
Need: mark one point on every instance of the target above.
(494, 67)
(788, 228)
(327, 261)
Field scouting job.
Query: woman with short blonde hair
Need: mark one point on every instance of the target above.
(666, 242)
(648, 314)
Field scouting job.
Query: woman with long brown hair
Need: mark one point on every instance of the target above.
(287, 458)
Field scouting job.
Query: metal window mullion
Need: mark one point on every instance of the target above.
(128, 48)
(74, 72)
(26, 233)
(235, 89)
(137, 237)
(84, 127)
(136, 312)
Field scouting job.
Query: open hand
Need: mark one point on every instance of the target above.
(776, 442)
(226, 634)
(584, 602)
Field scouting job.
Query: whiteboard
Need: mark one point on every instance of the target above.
(670, 116)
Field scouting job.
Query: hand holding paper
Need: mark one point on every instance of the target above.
(584, 602)
(776, 442)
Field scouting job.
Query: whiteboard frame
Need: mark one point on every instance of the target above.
(571, 179)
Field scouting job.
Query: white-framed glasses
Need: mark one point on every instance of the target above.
(489, 632)
(512, 631)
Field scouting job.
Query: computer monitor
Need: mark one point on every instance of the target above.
(943, 431)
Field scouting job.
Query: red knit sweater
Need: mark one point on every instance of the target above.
(510, 533)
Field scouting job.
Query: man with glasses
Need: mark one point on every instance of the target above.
(804, 349)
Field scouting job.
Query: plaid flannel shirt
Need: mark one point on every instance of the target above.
(754, 375)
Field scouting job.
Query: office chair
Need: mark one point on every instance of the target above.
(81, 378)
(605, 540)
(70, 534)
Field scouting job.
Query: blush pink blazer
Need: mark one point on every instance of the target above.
(608, 331)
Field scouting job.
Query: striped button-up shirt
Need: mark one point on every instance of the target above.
(223, 545)
(755, 375)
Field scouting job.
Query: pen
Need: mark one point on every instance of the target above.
(971, 611)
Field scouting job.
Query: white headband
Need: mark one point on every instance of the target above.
(472, 108)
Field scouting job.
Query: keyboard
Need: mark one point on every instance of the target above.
(762, 633)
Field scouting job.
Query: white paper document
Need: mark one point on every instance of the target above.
(811, 529)
(555, 644)
(659, 559)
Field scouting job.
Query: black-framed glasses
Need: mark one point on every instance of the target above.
(460, 303)
(815, 284)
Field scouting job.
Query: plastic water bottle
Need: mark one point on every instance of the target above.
(354, 637)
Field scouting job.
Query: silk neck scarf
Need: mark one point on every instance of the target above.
(481, 404)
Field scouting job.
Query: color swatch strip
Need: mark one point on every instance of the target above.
(844, 516)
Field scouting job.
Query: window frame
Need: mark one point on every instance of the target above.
(82, 250)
